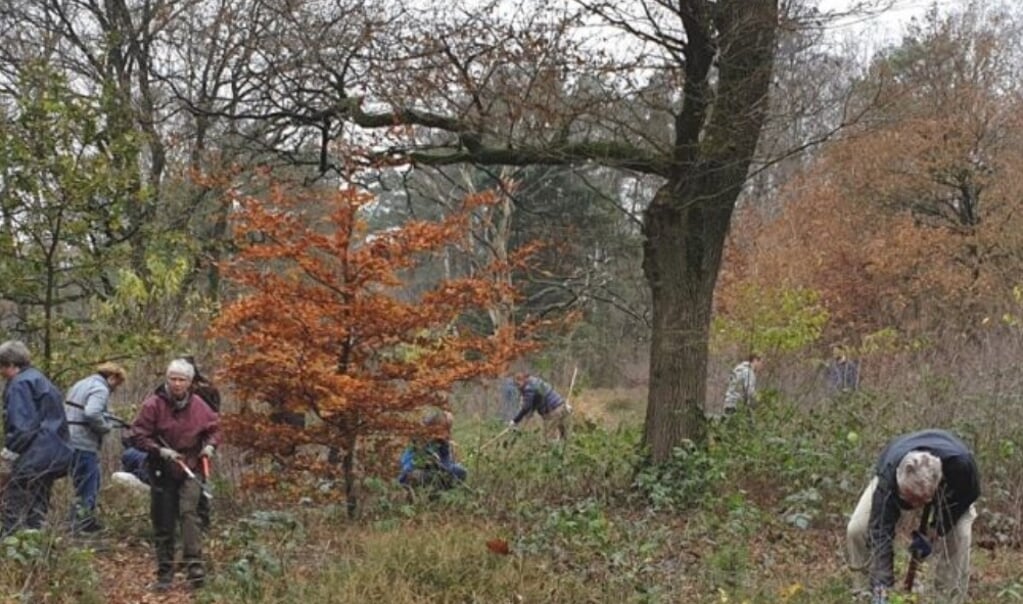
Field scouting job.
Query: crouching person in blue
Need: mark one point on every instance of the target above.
(932, 471)
(430, 462)
(36, 451)
(134, 472)
(539, 396)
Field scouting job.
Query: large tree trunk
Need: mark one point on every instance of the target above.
(685, 236)
(687, 222)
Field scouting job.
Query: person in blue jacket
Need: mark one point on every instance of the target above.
(540, 397)
(430, 462)
(134, 472)
(930, 473)
(36, 451)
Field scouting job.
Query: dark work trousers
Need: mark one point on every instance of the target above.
(169, 499)
(26, 501)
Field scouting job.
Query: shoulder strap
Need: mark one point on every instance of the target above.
(76, 406)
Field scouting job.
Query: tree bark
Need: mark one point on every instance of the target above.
(720, 54)
(685, 238)
(687, 222)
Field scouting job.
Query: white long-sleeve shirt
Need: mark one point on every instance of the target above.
(742, 387)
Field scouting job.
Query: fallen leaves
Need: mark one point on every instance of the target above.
(499, 546)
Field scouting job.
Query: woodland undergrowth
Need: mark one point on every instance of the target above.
(758, 515)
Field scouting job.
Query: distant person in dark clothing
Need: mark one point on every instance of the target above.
(843, 374)
(933, 471)
(36, 451)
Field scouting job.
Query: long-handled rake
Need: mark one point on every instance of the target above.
(499, 436)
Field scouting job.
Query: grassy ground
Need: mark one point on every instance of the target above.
(757, 517)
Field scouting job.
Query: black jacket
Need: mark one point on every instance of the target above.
(959, 488)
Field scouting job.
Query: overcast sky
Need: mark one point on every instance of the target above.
(885, 27)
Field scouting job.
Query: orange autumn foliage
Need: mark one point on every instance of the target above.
(329, 346)
(910, 220)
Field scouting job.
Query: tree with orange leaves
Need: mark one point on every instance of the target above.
(324, 330)
(910, 220)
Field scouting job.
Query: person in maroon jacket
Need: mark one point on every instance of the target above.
(176, 428)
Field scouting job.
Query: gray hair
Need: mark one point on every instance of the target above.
(181, 367)
(919, 473)
(438, 418)
(14, 353)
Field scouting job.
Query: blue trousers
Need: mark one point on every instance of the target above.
(85, 476)
(134, 461)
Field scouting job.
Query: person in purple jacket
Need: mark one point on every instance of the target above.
(933, 475)
(540, 397)
(176, 429)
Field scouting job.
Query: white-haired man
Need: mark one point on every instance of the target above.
(932, 471)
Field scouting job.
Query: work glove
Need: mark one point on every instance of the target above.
(919, 547)
(208, 451)
(169, 454)
(880, 595)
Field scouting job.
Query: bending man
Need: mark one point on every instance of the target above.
(932, 471)
(541, 397)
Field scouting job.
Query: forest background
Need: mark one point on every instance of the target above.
(353, 212)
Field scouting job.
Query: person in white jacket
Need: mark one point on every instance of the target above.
(742, 384)
(86, 408)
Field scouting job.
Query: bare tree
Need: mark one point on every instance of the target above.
(697, 130)
(674, 90)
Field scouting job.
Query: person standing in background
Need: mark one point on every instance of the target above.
(202, 386)
(843, 374)
(742, 385)
(210, 394)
